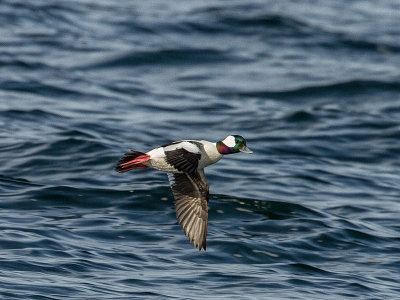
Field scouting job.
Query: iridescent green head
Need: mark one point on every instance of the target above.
(233, 144)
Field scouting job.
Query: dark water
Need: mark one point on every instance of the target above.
(313, 85)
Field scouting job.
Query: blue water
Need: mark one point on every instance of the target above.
(314, 86)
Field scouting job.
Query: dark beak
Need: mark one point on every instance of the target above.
(246, 150)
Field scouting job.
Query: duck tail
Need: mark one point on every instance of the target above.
(131, 161)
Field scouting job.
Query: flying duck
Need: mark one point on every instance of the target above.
(184, 161)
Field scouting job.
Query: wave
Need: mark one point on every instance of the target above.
(164, 57)
(346, 88)
(37, 87)
(32, 114)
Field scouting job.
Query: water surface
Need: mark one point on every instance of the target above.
(313, 86)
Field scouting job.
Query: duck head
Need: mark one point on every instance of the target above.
(233, 144)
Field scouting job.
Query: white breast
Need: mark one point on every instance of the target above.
(210, 154)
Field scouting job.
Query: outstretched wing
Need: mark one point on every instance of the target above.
(183, 156)
(191, 193)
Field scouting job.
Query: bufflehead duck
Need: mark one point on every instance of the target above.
(184, 161)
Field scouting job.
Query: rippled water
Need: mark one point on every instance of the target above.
(313, 86)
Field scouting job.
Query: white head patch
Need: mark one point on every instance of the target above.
(229, 141)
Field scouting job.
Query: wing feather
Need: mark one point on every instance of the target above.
(183, 156)
(191, 193)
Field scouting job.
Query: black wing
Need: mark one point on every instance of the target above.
(191, 193)
(183, 156)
